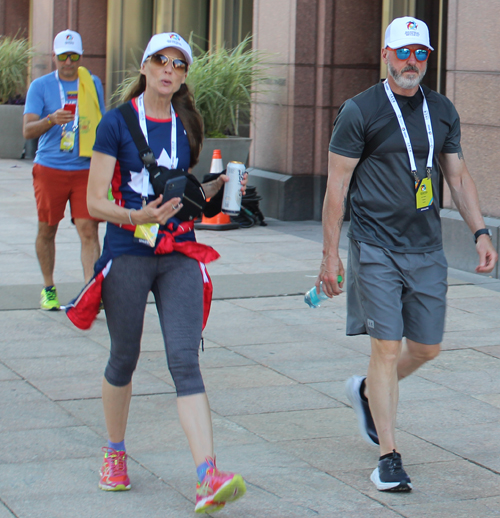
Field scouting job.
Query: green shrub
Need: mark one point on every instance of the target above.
(15, 55)
(223, 82)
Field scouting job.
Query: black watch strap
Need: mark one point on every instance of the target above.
(480, 232)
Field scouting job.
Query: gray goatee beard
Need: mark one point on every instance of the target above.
(404, 82)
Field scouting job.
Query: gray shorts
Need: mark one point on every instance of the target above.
(391, 295)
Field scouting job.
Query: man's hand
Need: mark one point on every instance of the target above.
(330, 270)
(34, 127)
(488, 256)
(61, 117)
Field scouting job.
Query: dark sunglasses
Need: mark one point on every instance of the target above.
(404, 54)
(162, 61)
(65, 56)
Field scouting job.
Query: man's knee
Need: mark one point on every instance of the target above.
(387, 351)
(46, 232)
(87, 229)
(423, 352)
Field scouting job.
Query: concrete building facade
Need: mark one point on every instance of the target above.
(321, 52)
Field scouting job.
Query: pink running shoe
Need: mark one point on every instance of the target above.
(218, 488)
(114, 471)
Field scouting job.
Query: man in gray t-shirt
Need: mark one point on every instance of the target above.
(397, 272)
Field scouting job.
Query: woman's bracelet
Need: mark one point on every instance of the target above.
(49, 121)
(130, 216)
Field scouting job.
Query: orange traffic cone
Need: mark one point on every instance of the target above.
(216, 166)
(221, 221)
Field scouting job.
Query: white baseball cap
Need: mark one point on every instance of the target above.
(68, 41)
(407, 31)
(164, 41)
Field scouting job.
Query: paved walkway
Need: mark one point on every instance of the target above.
(274, 371)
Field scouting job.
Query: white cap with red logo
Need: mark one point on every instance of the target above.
(68, 41)
(407, 31)
(164, 41)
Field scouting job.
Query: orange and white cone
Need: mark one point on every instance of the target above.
(220, 221)
(217, 165)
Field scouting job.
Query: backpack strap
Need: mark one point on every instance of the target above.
(145, 152)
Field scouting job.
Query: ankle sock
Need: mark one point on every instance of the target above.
(118, 446)
(201, 470)
(362, 390)
(48, 288)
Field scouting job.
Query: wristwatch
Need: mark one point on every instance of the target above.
(482, 231)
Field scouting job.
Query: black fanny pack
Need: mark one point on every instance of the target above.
(194, 199)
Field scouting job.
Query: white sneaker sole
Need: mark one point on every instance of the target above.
(352, 393)
(389, 486)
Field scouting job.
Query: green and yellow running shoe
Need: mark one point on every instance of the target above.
(49, 300)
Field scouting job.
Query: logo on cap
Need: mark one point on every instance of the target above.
(175, 37)
(69, 37)
(411, 26)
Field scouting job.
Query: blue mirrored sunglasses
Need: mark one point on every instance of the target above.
(404, 54)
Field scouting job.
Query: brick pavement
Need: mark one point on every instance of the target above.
(274, 371)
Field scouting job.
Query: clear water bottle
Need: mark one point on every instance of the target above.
(313, 300)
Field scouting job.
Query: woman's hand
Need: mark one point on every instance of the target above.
(213, 187)
(243, 182)
(154, 212)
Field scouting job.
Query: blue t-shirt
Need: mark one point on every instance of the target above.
(114, 139)
(44, 98)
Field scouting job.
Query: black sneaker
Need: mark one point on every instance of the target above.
(389, 475)
(360, 406)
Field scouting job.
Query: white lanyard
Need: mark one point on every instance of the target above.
(406, 136)
(63, 101)
(173, 141)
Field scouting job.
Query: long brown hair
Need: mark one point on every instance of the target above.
(184, 106)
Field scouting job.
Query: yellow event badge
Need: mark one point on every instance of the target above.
(67, 141)
(424, 196)
(147, 234)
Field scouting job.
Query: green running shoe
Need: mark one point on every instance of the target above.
(49, 300)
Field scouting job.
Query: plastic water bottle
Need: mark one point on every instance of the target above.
(313, 300)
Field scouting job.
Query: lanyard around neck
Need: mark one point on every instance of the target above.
(173, 140)
(406, 136)
(63, 100)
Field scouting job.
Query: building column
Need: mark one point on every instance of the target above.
(41, 36)
(321, 55)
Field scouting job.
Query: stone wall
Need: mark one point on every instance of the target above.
(15, 18)
(88, 17)
(321, 53)
(473, 84)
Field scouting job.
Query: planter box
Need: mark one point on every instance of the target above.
(11, 131)
(233, 149)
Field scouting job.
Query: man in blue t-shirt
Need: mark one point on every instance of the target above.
(65, 126)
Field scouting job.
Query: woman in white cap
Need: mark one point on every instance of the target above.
(148, 248)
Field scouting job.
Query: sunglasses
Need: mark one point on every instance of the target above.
(404, 54)
(160, 60)
(65, 56)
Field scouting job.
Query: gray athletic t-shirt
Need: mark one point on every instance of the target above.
(383, 207)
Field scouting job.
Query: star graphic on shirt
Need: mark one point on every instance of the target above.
(166, 161)
(136, 178)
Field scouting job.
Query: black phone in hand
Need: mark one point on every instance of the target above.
(174, 188)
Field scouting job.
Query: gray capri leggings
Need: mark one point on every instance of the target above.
(177, 285)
